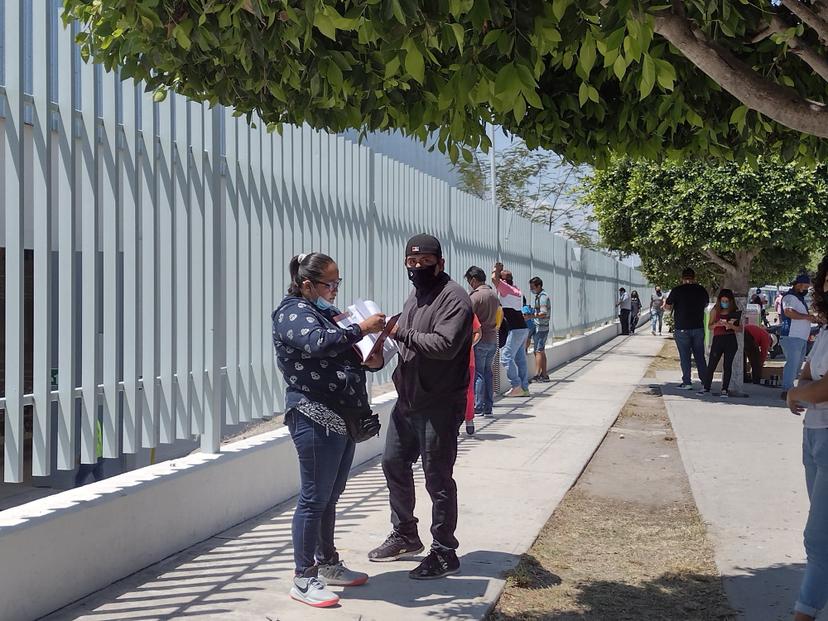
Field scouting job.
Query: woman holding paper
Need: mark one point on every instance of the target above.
(325, 379)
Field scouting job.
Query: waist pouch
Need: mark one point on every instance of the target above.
(362, 424)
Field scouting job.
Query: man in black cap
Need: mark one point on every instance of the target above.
(434, 334)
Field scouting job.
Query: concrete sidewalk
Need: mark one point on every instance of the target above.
(511, 475)
(743, 458)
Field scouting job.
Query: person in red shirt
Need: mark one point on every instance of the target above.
(476, 334)
(757, 346)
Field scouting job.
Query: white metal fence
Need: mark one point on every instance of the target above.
(158, 236)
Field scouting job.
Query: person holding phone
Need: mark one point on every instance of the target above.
(325, 379)
(725, 323)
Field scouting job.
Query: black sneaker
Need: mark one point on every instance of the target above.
(470, 428)
(394, 547)
(436, 565)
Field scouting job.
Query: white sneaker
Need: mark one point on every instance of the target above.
(339, 575)
(313, 592)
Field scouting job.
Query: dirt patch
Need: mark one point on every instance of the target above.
(627, 542)
(666, 360)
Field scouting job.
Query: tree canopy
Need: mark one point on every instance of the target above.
(733, 223)
(584, 78)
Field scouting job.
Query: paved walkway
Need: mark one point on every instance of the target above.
(743, 458)
(511, 476)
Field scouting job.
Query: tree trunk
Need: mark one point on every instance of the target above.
(739, 281)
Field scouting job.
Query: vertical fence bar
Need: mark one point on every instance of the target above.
(66, 207)
(146, 186)
(268, 280)
(164, 172)
(197, 195)
(244, 272)
(213, 292)
(42, 207)
(128, 189)
(13, 206)
(87, 199)
(231, 263)
(110, 208)
(179, 159)
(258, 323)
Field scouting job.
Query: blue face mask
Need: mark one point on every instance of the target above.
(724, 304)
(323, 304)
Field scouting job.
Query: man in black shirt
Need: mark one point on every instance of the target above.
(688, 302)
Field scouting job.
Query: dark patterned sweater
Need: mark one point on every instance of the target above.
(318, 361)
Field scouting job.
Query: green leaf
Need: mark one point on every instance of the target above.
(648, 77)
(738, 115)
(459, 35)
(694, 119)
(414, 63)
(392, 66)
(586, 59)
(519, 110)
(666, 73)
(559, 8)
(619, 67)
(491, 37)
(159, 95)
(325, 25)
(583, 93)
(181, 37)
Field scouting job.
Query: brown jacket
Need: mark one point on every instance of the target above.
(485, 303)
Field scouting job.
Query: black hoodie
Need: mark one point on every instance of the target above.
(435, 338)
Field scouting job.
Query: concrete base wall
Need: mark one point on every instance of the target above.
(58, 549)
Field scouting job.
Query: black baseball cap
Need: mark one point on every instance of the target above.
(424, 244)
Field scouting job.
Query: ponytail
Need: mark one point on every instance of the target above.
(307, 267)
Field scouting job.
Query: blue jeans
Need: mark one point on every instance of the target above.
(484, 355)
(691, 343)
(656, 317)
(513, 357)
(324, 463)
(813, 593)
(794, 350)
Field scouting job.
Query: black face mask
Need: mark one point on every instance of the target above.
(423, 278)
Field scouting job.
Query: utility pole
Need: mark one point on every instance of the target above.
(493, 181)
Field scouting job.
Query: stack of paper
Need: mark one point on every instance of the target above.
(358, 312)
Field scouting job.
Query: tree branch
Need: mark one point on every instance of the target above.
(780, 103)
(727, 266)
(810, 17)
(797, 46)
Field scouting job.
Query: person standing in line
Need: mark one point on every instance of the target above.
(757, 346)
(531, 327)
(485, 305)
(476, 334)
(725, 320)
(796, 330)
(688, 302)
(812, 393)
(325, 378)
(624, 305)
(513, 354)
(541, 314)
(635, 311)
(434, 334)
(657, 310)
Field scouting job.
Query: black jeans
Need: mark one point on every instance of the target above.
(431, 437)
(723, 345)
(624, 316)
(324, 463)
